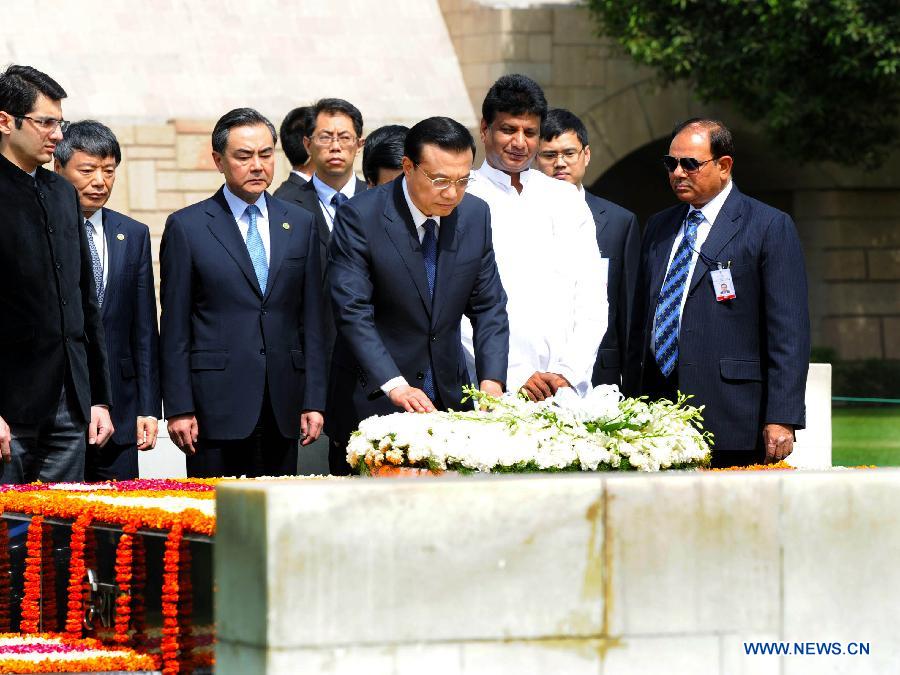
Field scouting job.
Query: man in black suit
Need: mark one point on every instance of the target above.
(744, 355)
(88, 157)
(406, 261)
(54, 382)
(564, 154)
(383, 154)
(241, 350)
(292, 132)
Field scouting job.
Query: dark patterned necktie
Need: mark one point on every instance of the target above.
(429, 256)
(668, 309)
(338, 199)
(96, 263)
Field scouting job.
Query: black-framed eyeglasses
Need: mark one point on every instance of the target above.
(46, 124)
(442, 183)
(689, 164)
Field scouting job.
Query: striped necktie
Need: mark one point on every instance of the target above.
(256, 249)
(668, 308)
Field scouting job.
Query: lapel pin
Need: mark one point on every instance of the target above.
(120, 237)
(286, 226)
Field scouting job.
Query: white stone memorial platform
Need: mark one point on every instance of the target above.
(570, 574)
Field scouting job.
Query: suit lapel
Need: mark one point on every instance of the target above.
(448, 236)
(727, 224)
(310, 199)
(402, 232)
(222, 226)
(279, 240)
(115, 254)
(600, 219)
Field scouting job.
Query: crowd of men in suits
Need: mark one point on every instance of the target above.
(307, 310)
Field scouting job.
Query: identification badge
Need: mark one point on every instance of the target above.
(723, 284)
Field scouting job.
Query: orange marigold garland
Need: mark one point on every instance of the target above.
(170, 593)
(5, 580)
(77, 571)
(124, 573)
(31, 600)
(186, 603)
(49, 610)
(90, 563)
(138, 586)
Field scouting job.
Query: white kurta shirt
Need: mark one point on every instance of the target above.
(546, 248)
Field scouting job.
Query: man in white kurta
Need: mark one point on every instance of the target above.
(546, 250)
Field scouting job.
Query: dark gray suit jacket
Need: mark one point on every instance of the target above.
(288, 189)
(619, 239)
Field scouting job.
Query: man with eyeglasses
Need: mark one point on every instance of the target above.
(744, 354)
(241, 349)
(54, 381)
(546, 249)
(564, 154)
(406, 261)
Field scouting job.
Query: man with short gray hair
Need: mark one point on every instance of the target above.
(88, 156)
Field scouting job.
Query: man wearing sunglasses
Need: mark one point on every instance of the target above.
(54, 381)
(743, 355)
(406, 261)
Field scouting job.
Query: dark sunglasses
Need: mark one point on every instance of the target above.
(689, 164)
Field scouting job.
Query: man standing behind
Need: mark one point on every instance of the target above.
(87, 157)
(292, 132)
(564, 154)
(743, 355)
(407, 261)
(383, 154)
(54, 382)
(546, 248)
(241, 333)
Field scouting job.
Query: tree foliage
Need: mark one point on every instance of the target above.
(822, 77)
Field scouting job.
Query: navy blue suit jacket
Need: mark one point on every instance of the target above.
(619, 240)
(386, 323)
(129, 323)
(745, 359)
(222, 341)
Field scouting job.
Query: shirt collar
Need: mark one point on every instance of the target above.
(419, 218)
(501, 178)
(97, 220)
(326, 192)
(711, 209)
(305, 176)
(238, 206)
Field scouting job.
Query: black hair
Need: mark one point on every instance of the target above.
(721, 142)
(20, 87)
(560, 121)
(383, 150)
(296, 124)
(91, 137)
(444, 132)
(514, 94)
(336, 106)
(239, 117)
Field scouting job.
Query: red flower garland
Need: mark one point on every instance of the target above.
(49, 609)
(77, 571)
(90, 563)
(170, 593)
(5, 582)
(138, 586)
(31, 600)
(185, 604)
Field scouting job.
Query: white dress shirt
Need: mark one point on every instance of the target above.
(545, 243)
(709, 210)
(96, 221)
(419, 219)
(239, 210)
(325, 193)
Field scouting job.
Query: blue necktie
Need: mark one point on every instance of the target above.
(338, 199)
(429, 256)
(256, 249)
(96, 263)
(668, 308)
